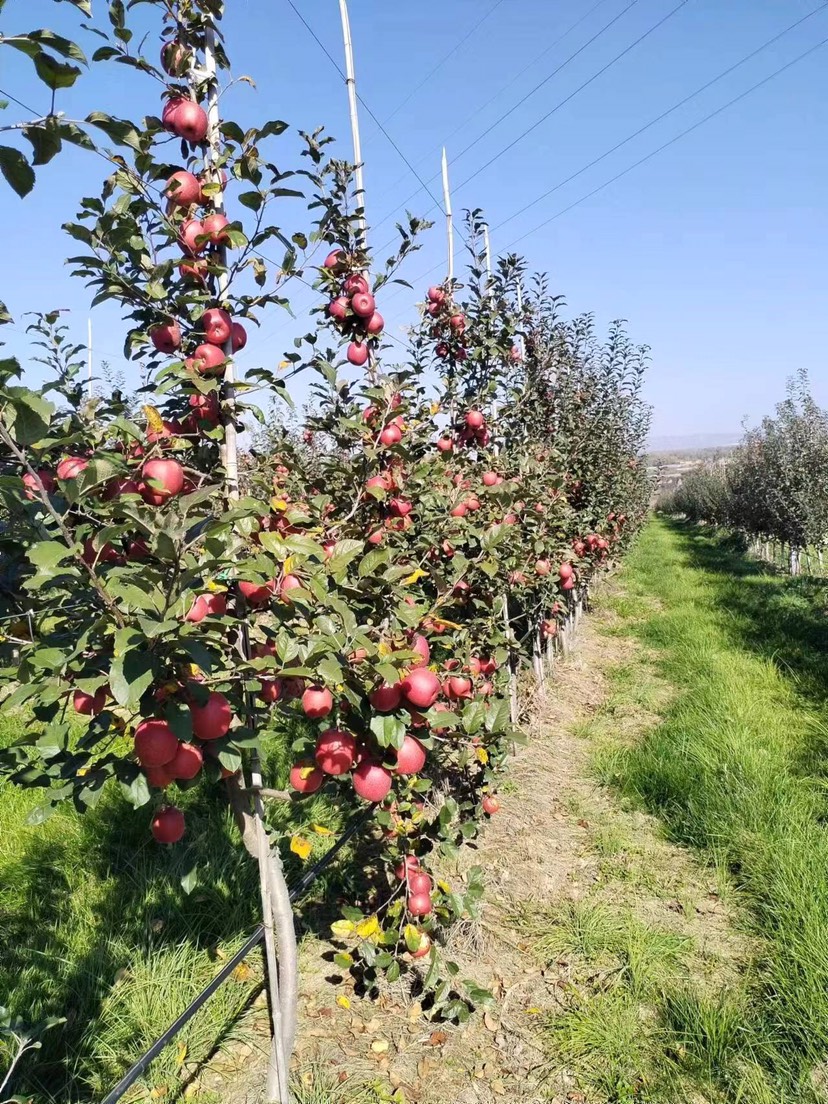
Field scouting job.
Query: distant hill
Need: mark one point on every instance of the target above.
(692, 441)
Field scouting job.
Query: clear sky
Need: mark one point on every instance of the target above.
(714, 250)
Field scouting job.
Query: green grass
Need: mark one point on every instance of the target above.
(737, 769)
(95, 928)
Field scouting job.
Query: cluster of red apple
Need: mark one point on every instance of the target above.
(449, 324)
(352, 307)
(472, 431)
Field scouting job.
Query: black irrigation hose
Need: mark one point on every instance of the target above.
(304, 883)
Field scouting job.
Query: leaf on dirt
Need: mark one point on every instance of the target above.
(343, 1002)
(379, 1046)
(437, 1038)
(490, 1022)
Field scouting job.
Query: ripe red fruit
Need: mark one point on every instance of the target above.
(375, 324)
(187, 762)
(207, 360)
(336, 751)
(335, 260)
(317, 702)
(306, 778)
(159, 777)
(338, 308)
(218, 326)
(170, 110)
(205, 407)
(363, 304)
(138, 550)
(70, 467)
(357, 354)
(411, 757)
(372, 781)
(270, 690)
(90, 705)
(194, 271)
(419, 882)
(419, 644)
(457, 687)
(445, 444)
(409, 865)
(542, 567)
(473, 503)
(376, 537)
(490, 805)
(578, 547)
(386, 698)
(458, 323)
(400, 507)
(356, 285)
(212, 720)
(391, 435)
(189, 121)
(168, 825)
(490, 479)
(442, 351)
(216, 226)
(460, 510)
(419, 904)
(421, 688)
(163, 480)
(436, 295)
(207, 605)
(287, 584)
(155, 743)
(568, 584)
(30, 484)
(166, 338)
(475, 420)
(256, 594)
(190, 231)
(175, 58)
(105, 554)
(566, 571)
(183, 189)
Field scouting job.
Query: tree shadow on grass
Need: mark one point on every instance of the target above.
(782, 619)
(95, 908)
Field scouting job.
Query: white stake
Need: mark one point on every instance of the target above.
(277, 1090)
(449, 219)
(350, 80)
(89, 357)
(488, 248)
(521, 339)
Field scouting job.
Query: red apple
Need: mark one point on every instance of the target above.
(175, 58)
(400, 507)
(187, 762)
(317, 702)
(47, 481)
(183, 189)
(163, 480)
(155, 743)
(390, 436)
(419, 904)
(170, 110)
(218, 326)
(357, 354)
(159, 777)
(566, 571)
(421, 688)
(70, 467)
(386, 698)
(436, 295)
(490, 805)
(207, 605)
(168, 825)
(407, 866)
(338, 308)
(212, 720)
(457, 323)
(189, 121)
(445, 444)
(419, 882)
(306, 778)
(372, 781)
(542, 567)
(270, 690)
(375, 324)
(215, 226)
(90, 705)
(335, 260)
(475, 420)
(336, 751)
(419, 644)
(286, 585)
(424, 947)
(207, 360)
(189, 233)
(356, 285)
(457, 688)
(363, 304)
(411, 757)
(257, 594)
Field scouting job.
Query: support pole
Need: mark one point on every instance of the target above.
(272, 886)
(350, 80)
(449, 217)
(89, 358)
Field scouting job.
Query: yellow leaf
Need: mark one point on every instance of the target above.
(368, 927)
(242, 972)
(379, 1046)
(384, 648)
(482, 755)
(300, 847)
(214, 587)
(341, 929)
(278, 504)
(343, 1002)
(533, 1011)
(435, 408)
(447, 624)
(154, 419)
(181, 1054)
(288, 565)
(284, 364)
(82, 771)
(320, 829)
(446, 888)
(415, 576)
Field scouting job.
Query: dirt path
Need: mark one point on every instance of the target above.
(586, 905)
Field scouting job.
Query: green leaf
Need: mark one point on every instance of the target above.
(55, 74)
(131, 673)
(58, 44)
(17, 171)
(27, 415)
(47, 556)
(388, 730)
(45, 140)
(136, 789)
(330, 670)
(121, 131)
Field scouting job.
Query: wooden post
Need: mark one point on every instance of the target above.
(275, 901)
(350, 80)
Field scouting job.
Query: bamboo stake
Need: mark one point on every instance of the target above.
(488, 248)
(277, 1089)
(449, 217)
(350, 80)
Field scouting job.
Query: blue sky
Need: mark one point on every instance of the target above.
(714, 250)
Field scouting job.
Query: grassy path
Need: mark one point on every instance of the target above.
(736, 768)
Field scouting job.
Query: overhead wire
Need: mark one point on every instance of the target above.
(653, 153)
